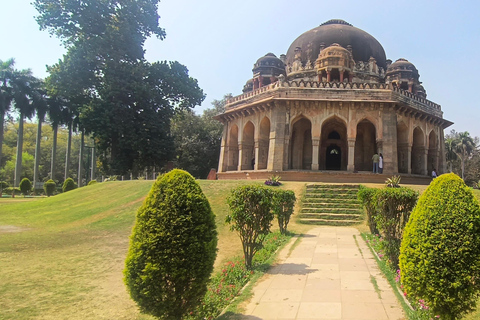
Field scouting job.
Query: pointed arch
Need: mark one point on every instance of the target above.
(301, 144)
(263, 143)
(365, 145)
(402, 147)
(333, 153)
(432, 157)
(418, 151)
(232, 145)
(248, 146)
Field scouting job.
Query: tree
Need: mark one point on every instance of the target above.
(465, 147)
(251, 216)
(283, 202)
(39, 101)
(440, 251)
(172, 247)
(25, 186)
(22, 93)
(6, 96)
(129, 102)
(451, 155)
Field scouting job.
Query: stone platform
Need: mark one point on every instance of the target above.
(323, 176)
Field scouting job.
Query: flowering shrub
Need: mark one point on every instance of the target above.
(273, 181)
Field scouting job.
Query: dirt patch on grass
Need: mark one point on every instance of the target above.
(12, 229)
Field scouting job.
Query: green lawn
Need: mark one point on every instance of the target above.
(65, 258)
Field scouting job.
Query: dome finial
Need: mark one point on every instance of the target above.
(337, 21)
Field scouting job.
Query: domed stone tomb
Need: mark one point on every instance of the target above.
(329, 105)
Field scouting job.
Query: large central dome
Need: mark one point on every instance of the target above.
(363, 44)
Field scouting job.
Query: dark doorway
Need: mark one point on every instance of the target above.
(333, 158)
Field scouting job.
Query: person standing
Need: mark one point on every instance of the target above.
(380, 163)
(375, 159)
(434, 174)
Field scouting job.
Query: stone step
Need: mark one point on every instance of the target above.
(330, 222)
(332, 210)
(330, 216)
(331, 205)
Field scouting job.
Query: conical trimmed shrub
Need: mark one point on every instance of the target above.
(172, 247)
(440, 251)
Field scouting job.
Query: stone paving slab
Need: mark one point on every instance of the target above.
(328, 276)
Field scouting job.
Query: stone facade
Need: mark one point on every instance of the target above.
(333, 112)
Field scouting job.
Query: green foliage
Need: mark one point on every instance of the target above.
(251, 216)
(68, 185)
(92, 182)
(49, 187)
(3, 185)
(172, 247)
(394, 206)
(12, 190)
(393, 182)
(283, 203)
(440, 252)
(273, 181)
(367, 197)
(25, 186)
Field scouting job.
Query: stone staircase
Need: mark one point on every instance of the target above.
(331, 204)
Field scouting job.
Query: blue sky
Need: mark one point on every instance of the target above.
(219, 41)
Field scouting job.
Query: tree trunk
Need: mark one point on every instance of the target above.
(2, 119)
(37, 152)
(94, 164)
(80, 161)
(67, 156)
(54, 153)
(18, 165)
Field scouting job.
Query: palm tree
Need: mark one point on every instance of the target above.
(39, 101)
(451, 155)
(464, 148)
(21, 82)
(55, 112)
(6, 71)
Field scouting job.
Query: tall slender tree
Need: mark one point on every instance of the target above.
(6, 95)
(465, 147)
(39, 101)
(21, 87)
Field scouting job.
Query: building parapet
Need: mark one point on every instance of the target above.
(397, 93)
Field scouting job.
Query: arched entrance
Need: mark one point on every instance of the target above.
(365, 146)
(248, 144)
(432, 158)
(333, 157)
(333, 145)
(402, 147)
(301, 145)
(263, 143)
(418, 152)
(232, 162)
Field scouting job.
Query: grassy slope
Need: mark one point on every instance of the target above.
(68, 260)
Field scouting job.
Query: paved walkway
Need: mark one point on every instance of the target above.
(330, 274)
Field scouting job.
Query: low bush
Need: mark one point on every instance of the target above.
(49, 187)
(283, 203)
(273, 181)
(394, 206)
(92, 182)
(25, 186)
(68, 185)
(12, 191)
(251, 215)
(440, 252)
(367, 197)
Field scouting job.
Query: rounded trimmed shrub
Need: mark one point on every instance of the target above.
(172, 247)
(440, 251)
(68, 185)
(49, 187)
(25, 186)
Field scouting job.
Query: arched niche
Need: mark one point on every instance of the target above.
(432, 158)
(232, 145)
(301, 145)
(248, 146)
(402, 147)
(263, 143)
(333, 152)
(418, 152)
(365, 145)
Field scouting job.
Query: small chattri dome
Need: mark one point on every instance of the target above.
(269, 60)
(404, 67)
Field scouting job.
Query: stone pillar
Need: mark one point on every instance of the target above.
(425, 162)
(222, 165)
(341, 75)
(351, 155)
(277, 138)
(388, 144)
(409, 158)
(350, 77)
(240, 156)
(328, 75)
(257, 155)
(315, 146)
